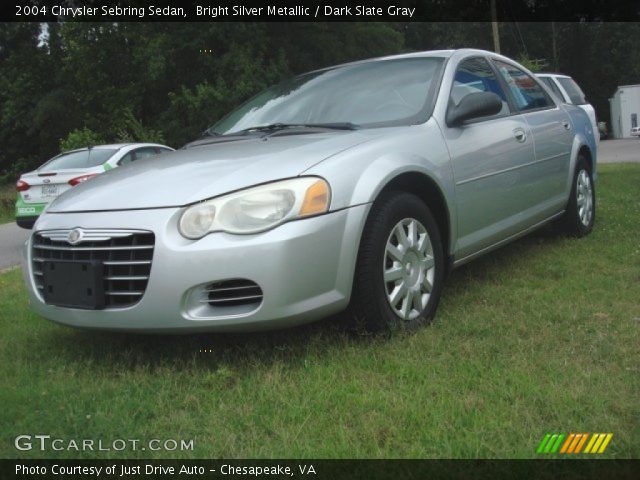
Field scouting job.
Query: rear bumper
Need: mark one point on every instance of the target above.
(305, 269)
(27, 213)
(29, 210)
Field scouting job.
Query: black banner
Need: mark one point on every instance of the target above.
(319, 469)
(316, 10)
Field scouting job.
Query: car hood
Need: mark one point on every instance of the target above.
(205, 170)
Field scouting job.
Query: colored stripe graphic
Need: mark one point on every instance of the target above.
(599, 440)
(605, 443)
(574, 443)
(555, 448)
(567, 443)
(550, 443)
(581, 443)
(543, 443)
(591, 442)
(598, 443)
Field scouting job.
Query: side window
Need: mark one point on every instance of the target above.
(576, 95)
(476, 75)
(526, 92)
(126, 160)
(554, 88)
(144, 152)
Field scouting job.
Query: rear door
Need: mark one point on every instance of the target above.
(488, 157)
(552, 138)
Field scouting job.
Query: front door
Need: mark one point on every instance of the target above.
(491, 158)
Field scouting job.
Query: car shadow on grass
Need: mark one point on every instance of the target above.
(338, 331)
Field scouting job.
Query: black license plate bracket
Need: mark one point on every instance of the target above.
(75, 284)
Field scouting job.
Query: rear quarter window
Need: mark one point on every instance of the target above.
(576, 95)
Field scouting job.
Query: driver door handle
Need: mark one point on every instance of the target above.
(520, 135)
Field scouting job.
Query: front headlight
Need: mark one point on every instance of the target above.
(257, 209)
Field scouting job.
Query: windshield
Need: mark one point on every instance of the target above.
(576, 96)
(380, 93)
(79, 159)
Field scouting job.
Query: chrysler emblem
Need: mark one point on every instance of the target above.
(75, 236)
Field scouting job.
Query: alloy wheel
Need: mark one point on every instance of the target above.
(584, 200)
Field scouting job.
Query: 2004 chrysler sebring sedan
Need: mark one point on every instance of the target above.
(357, 186)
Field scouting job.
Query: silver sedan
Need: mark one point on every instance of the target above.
(353, 187)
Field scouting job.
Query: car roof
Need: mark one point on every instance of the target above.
(116, 146)
(562, 75)
(425, 53)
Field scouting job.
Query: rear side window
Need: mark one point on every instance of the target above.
(476, 75)
(526, 92)
(138, 154)
(576, 95)
(127, 159)
(554, 88)
(79, 159)
(145, 152)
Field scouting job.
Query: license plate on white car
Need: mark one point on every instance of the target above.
(49, 190)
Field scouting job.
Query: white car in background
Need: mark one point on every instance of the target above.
(40, 187)
(566, 89)
(635, 132)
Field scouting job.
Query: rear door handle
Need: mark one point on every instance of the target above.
(520, 135)
(566, 125)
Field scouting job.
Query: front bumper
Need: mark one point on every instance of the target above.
(305, 269)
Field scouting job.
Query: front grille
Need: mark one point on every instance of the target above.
(126, 257)
(233, 293)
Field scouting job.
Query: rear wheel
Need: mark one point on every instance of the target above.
(400, 268)
(581, 210)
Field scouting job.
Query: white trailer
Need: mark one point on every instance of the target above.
(625, 110)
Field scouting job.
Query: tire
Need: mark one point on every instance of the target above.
(580, 214)
(408, 264)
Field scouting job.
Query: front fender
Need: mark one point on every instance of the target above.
(358, 175)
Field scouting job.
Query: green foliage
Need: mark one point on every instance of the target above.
(132, 130)
(79, 138)
(18, 167)
(524, 60)
(7, 202)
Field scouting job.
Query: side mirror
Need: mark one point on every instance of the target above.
(474, 105)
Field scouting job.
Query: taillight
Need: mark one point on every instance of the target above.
(21, 186)
(82, 178)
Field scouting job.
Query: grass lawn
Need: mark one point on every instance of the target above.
(540, 336)
(7, 203)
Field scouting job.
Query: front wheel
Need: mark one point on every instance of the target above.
(400, 267)
(581, 210)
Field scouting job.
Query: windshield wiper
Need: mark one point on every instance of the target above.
(274, 127)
